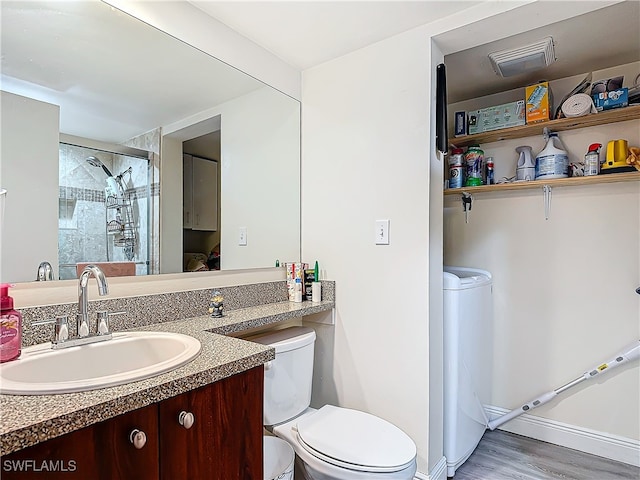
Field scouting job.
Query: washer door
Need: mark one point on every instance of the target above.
(356, 440)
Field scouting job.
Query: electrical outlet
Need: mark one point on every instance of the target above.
(382, 232)
(242, 236)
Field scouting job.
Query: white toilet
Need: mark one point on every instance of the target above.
(331, 443)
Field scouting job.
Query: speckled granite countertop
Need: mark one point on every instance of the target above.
(28, 420)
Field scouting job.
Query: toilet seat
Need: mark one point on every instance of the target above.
(355, 440)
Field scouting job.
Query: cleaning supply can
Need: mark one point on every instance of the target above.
(552, 161)
(490, 180)
(456, 168)
(474, 158)
(592, 160)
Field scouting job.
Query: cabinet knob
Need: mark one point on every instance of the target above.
(138, 438)
(186, 419)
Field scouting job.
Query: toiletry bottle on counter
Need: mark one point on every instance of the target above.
(297, 290)
(10, 327)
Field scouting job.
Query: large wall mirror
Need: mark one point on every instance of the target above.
(126, 146)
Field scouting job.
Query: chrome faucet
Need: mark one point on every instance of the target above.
(82, 317)
(45, 272)
(61, 335)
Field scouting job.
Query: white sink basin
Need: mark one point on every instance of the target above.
(128, 357)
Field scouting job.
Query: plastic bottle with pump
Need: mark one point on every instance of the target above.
(10, 327)
(552, 161)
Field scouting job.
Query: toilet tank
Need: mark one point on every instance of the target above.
(287, 378)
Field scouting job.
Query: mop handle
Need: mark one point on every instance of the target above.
(630, 353)
(541, 400)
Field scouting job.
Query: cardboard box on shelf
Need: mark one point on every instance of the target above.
(538, 102)
(497, 117)
(614, 99)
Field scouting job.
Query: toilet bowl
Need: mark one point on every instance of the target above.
(334, 443)
(331, 443)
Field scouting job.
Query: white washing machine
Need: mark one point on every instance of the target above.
(468, 333)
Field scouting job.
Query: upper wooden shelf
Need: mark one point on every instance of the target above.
(609, 116)
(557, 182)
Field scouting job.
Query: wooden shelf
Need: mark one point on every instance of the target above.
(554, 182)
(610, 116)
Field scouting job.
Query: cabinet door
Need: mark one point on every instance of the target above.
(205, 195)
(99, 452)
(187, 191)
(225, 441)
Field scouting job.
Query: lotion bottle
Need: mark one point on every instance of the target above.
(10, 327)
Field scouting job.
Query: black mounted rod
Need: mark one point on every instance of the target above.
(441, 109)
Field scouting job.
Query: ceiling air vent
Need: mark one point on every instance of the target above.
(515, 61)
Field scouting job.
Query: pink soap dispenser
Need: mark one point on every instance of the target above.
(10, 327)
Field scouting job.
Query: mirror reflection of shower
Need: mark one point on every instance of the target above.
(120, 218)
(104, 208)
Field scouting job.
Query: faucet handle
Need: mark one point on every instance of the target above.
(82, 326)
(61, 329)
(102, 322)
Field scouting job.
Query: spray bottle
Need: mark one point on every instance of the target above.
(592, 160)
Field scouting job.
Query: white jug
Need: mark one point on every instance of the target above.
(552, 161)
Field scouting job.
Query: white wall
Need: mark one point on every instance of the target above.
(436, 324)
(31, 207)
(365, 133)
(189, 24)
(171, 205)
(260, 179)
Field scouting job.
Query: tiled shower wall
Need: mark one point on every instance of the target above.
(82, 233)
(150, 142)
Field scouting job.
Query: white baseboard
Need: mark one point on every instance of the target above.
(439, 472)
(603, 444)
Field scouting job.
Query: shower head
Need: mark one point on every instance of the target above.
(97, 163)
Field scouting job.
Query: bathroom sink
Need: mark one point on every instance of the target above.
(128, 357)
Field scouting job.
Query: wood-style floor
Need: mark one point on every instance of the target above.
(505, 456)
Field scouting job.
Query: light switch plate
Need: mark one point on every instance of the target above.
(382, 232)
(242, 236)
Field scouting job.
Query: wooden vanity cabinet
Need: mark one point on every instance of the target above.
(99, 452)
(224, 442)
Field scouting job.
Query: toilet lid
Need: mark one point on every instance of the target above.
(356, 440)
